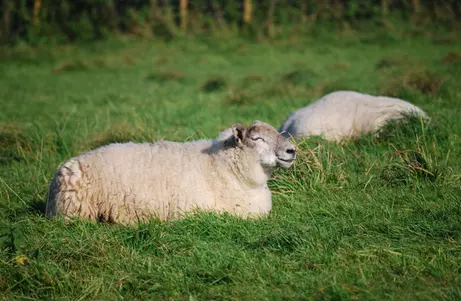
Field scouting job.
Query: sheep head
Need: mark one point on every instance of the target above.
(270, 146)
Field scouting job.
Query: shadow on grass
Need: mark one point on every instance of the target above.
(214, 84)
(38, 207)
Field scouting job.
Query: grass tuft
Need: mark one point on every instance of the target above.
(328, 87)
(15, 145)
(341, 65)
(452, 57)
(252, 79)
(119, 133)
(413, 80)
(394, 61)
(299, 77)
(11, 143)
(239, 98)
(446, 39)
(167, 76)
(284, 241)
(72, 66)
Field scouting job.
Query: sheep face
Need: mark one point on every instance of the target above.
(268, 144)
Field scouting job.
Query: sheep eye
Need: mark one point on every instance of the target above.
(257, 138)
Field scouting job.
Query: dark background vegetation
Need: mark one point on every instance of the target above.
(36, 21)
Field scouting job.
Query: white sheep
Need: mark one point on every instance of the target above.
(346, 114)
(129, 182)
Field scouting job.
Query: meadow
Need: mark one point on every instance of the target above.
(369, 219)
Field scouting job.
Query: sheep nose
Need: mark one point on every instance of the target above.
(291, 151)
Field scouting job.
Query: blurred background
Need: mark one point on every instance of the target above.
(37, 21)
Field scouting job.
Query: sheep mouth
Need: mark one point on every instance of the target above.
(285, 163)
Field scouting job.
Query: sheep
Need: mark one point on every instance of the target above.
(128, 182)
(346, 114)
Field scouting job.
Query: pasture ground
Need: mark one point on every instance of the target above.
(371, 219)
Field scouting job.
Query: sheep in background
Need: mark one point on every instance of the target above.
(346, 114)
(129, 182)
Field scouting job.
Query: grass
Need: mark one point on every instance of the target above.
(370, 219)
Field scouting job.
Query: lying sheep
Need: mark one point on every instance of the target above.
(346, 114)
(129, 182)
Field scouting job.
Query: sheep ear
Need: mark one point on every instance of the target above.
(238, 132)
(256, 122)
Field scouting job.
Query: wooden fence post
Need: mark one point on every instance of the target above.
(304, 11)
(416, 7)
(385, 7)
(270, 19)
(247, 11)
(184, 13)
(37, 5)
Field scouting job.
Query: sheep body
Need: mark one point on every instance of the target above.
(346, 114)
(131, 182)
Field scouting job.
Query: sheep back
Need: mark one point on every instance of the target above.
(131, 182)
(345, 114)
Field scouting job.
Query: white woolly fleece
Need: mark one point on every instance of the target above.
(346, 114)
(130, 182)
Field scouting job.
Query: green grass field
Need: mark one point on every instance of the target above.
(371, 219)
